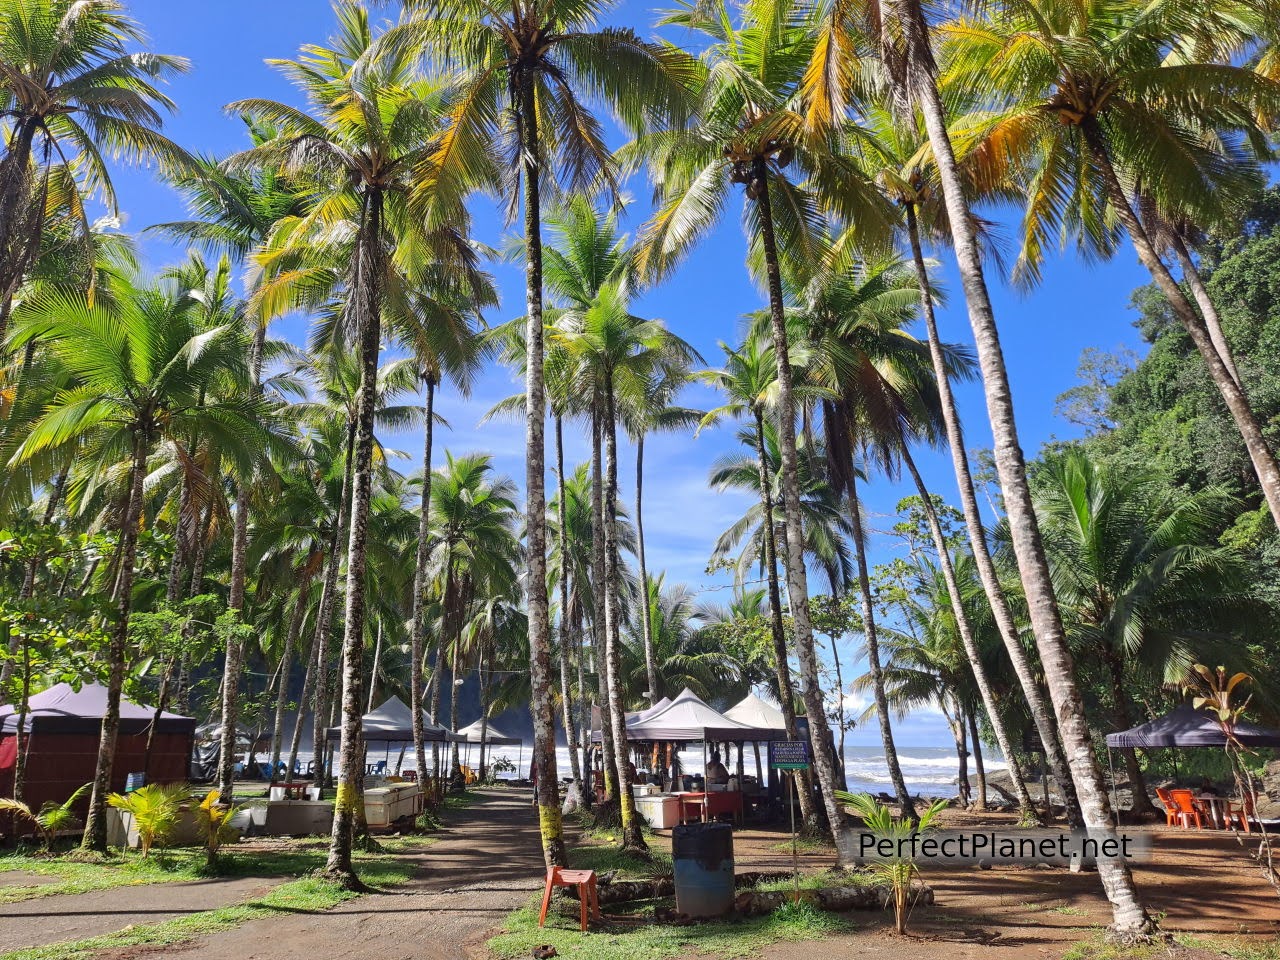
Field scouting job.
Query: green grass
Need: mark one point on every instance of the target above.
(816, 881)
(602, 858)
(71, 874)
(647, 941)
(306, 895)
(1098, 949)
(804, 845)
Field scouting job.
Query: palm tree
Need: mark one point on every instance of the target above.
(1093, 92)
(898, 154)
(686, 656)
(1145, 589)
(751, 130)
(901, 31)
(519, 68)
(749, 382)
(616, 358)
(70, 91)
(144, 366)
(372, 126)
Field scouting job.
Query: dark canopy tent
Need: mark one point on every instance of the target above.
(63, 727)
(1185, 726)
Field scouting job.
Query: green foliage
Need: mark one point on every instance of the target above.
(155, 809)
(898, 871)
(52, 816)
(214, 819)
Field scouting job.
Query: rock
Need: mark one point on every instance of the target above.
(1271, 780)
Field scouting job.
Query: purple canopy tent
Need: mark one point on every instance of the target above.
(1184, 726)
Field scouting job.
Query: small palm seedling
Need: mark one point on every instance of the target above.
(899, 871)
(214, 819)
(155, 809)
(52, 818)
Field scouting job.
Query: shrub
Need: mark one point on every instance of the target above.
(155, 810)
(51, 818)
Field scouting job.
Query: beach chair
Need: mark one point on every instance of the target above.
(1170, 808)
(1187, 809)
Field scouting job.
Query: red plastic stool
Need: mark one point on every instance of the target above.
(584, 880)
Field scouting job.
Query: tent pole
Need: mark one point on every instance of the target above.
(1115, 801)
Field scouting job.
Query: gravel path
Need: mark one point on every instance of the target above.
(45, 920)
(486, 864)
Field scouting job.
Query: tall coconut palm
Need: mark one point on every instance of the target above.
(898, 154)
(1094, 90)
(751, 130)
(522, 74)
(144, 366)
(901, 32)
(616, 358)
(748, 381)
(373, 123)
(71, 90)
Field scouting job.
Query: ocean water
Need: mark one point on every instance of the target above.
(928, 771)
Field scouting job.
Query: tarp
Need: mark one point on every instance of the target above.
(1185, 726)
(393, 723)
(492, 735)
(689, 718)
(63, 709)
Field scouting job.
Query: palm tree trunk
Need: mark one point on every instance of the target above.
(979, 766)
(286, 668)
(584, 710)
(324, 618)
(650, 672)
(1123, 720)
(21, 220)
(598, 628)
(455, 765)
(566, 689)
(22, 735)
(1208, 309)
(1260, 454)
(632, 837)
(421, 586)
(908, 810)
(1130, 919)
(781, 663)
(235, 600)
(956, 724)
(373, 673)
(544, 719)
(95, 826)
(1000, 611)
(797, 579)
(972, 653)
(182, 695)
(308, 682)
(366, 293)
(436, 679)
(484, 716)
(835, 659)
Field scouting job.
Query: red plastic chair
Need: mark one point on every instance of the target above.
(1240, 810)
(588, 897)
(1187, 809)
(1170, 808)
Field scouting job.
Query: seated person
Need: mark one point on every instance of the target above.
(717, 773)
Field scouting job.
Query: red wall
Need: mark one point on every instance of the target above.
(60, 763)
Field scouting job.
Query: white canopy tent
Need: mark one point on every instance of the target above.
(490, 736)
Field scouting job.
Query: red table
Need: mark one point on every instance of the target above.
(708, 805)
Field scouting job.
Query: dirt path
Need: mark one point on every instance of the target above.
(43, 920)
(487, 863)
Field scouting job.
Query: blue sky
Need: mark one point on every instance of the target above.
(1043, 333)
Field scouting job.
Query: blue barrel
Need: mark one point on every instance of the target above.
(702, 854)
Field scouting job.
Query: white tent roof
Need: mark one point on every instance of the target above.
(393, 722)
(755, 711)
(471, 734)
(688, 717)
(647, 712)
